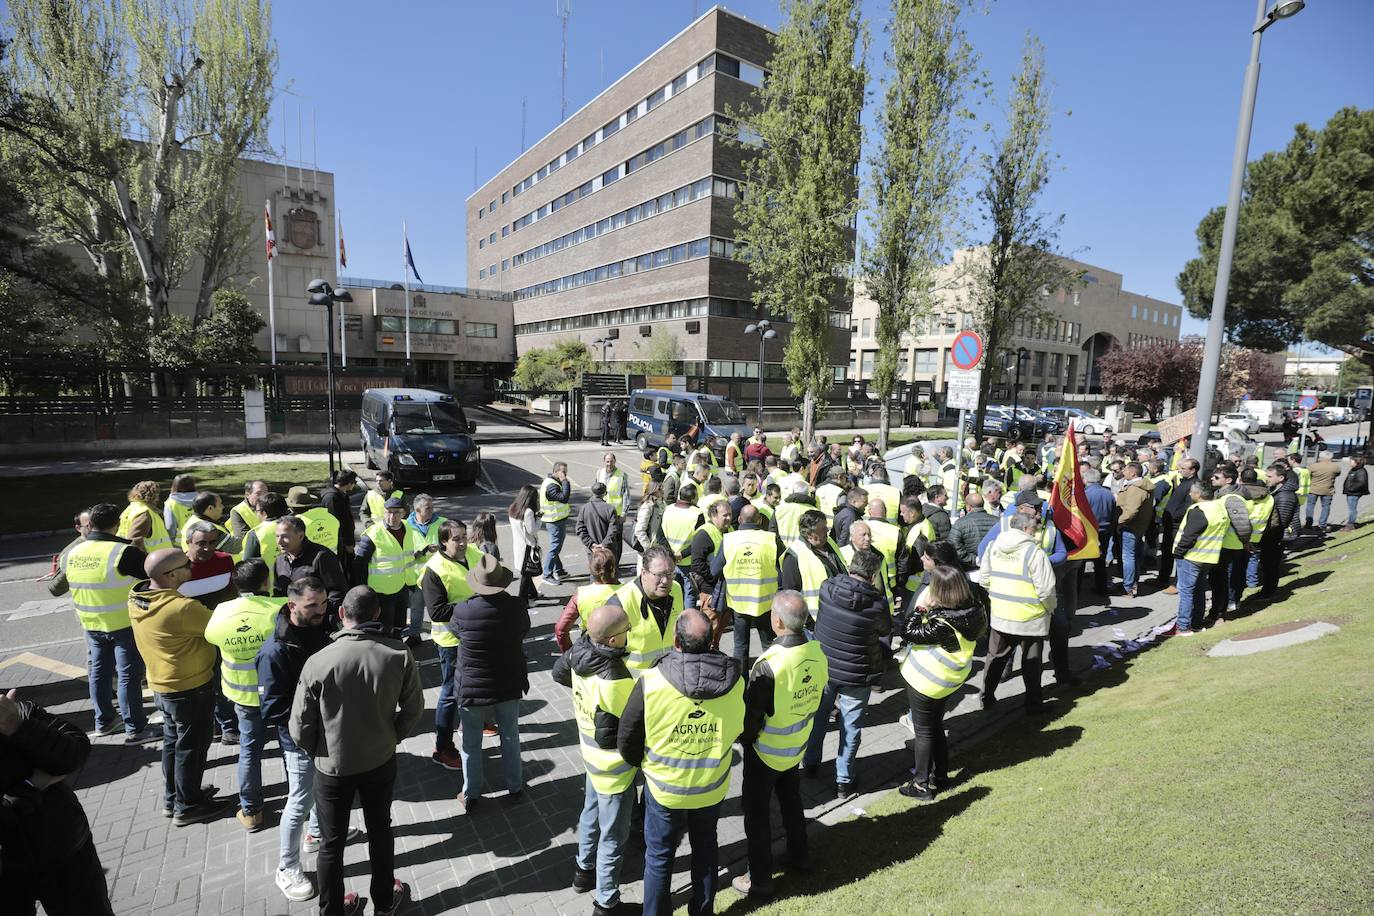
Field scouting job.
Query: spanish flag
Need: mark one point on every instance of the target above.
(1069, 501)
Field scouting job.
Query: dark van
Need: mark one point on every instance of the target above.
(709, 417)
(419, 436)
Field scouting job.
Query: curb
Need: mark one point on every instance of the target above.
(32, 534)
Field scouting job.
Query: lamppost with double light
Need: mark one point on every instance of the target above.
(764, 328)
(321, 293)
(1022, 354)
(1216, 326)
(604, 343)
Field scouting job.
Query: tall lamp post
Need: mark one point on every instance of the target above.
(1211, 356)
(604, 343)
(764, 328)
(1022, 354)
(321, 293)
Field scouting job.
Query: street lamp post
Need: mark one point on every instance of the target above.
(603, 343)
(763, 327)
(321, 293)
(1216, 326)
(1021, 355)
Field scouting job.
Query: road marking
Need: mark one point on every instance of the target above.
(39, 608)
(485, 485)
(44, 663)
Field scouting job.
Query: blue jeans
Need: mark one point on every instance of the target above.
(663, 829)
(1130, 542)
(1312, 504)
(1192, 592)
(507, 715)
(552, 562)
(252, 740)
(109, 653)
(601, 834)
(446, 709)
(1252, 569)
(1352, 510)
(300, 800)
(852, 701)
(689, 590)
(415, 625)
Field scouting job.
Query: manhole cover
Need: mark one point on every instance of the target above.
(1280, 636)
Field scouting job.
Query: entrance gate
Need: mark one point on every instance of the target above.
(529, 414)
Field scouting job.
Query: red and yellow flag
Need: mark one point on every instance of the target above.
(1069, 501)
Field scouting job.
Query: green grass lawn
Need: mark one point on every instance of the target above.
(1177, 784)
(63, 495)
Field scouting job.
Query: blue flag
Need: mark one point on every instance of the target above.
(410, 260)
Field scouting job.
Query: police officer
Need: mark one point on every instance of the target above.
(601, 684)
(679, 723)
(784, 693)
(749, 560)
(100, 570)
(238, 628)
(606, 411)
(383, 557)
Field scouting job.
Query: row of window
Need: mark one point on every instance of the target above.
(861, 363)
(713, 62)
(1158, 316)
(1141, 340)
(396, 324)
(672, 144)
(720, 187)
(1052, 329)
(662, 311)
(725, 368)
(687, 251)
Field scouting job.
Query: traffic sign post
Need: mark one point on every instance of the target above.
(961, 391)
(966, 351)
(1306, 403)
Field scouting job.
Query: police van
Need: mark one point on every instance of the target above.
(707, 417)
(419, 436)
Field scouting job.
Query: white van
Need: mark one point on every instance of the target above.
(1269, 414)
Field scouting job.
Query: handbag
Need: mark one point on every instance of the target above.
(533, 564)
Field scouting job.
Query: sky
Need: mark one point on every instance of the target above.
(1146, 98)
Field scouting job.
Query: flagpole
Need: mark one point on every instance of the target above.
(405, 270)
(271, 297)
(343, 325)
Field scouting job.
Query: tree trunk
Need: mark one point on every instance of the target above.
(884, 424)
(808, 419)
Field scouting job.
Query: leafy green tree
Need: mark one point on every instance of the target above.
(1353, 374)
(663, 356)
(226, 336)
(1010, 277)
(796, 215)
(917, 168)
(1304, 261)
(555, 368)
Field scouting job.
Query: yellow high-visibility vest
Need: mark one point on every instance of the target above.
(751, 571)
(890, 496)
(936, 673)
(389, 565)
(454, 575)
(99, 592)
(1206, 550)
(644, 642)
(789, 516)
(885, 576)
(321, 527)
(1232, 540)
(761, 504)
(609, 773)
(813, 573)
(266, 533)
(886, 537)
(708, 500)
(376, 503)
(157, 539)
(430, 538)
(238, 628)
(592, 596)
(1304, 481)
(247, 514)
(1012, 592)
(924, 528)
(679, 524)
(827, 495)
(687, 743)
(800, 673)
(1259, 511)
(617, 485)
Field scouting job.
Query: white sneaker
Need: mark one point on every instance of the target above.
(294, 885)
(310, 844)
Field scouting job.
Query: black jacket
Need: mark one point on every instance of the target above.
(789, 575)
(699, 675)
(1285, 505)
(845, 516)
(1356, 484)
(313, 561)
(491, 665)
(968, 532)
(40, 827)
(939, 517)
(758, 696)
(1179, 499)
(853, 616)
(279, 665)
(589, 659)
(338, 505)
(938, 626)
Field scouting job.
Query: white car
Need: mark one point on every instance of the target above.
(1083, 421)
(1241, 421)
(1227, 440)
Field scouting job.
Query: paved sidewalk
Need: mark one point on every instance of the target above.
(505, 858)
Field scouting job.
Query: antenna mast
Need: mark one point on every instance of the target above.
(564, 9)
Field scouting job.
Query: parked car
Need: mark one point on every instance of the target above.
(1082, 420)
(1318, 417)
(1224, 440)
(1340, 414)
(420, 436)
(1244, 422)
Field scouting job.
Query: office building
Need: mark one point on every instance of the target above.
(1062, 348)
(620, 223)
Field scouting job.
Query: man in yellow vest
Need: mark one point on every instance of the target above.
(679, 724)
(601, 684)
(812, 558)
(749, 561)
(444, 584)
(238, 628)
(374, 503)
(680, 522)
(100, 570)
(784, 692)
(383, 559)
(141, 523)
(878, 488)
(1227, 580)
(1197, 549)
(425, 522)
(243, 518)
(887, 537)
(1017, 573)
(209, 507)
(706, 543)
(555, 498)
(261, 540)
(1260, 506)
(321, 525)
(770, 494)
(617, 485)
(653, 603)
(787, 514)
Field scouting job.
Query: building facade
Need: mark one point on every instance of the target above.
(1061, 350)
(619, 224)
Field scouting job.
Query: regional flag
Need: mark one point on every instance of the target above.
(1069, 504)
(410, 258)
(343, 252)
(271, 236)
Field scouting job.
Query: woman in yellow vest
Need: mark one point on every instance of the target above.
(444, 583)
(140, 522)
(940, 638)
(587, 598)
